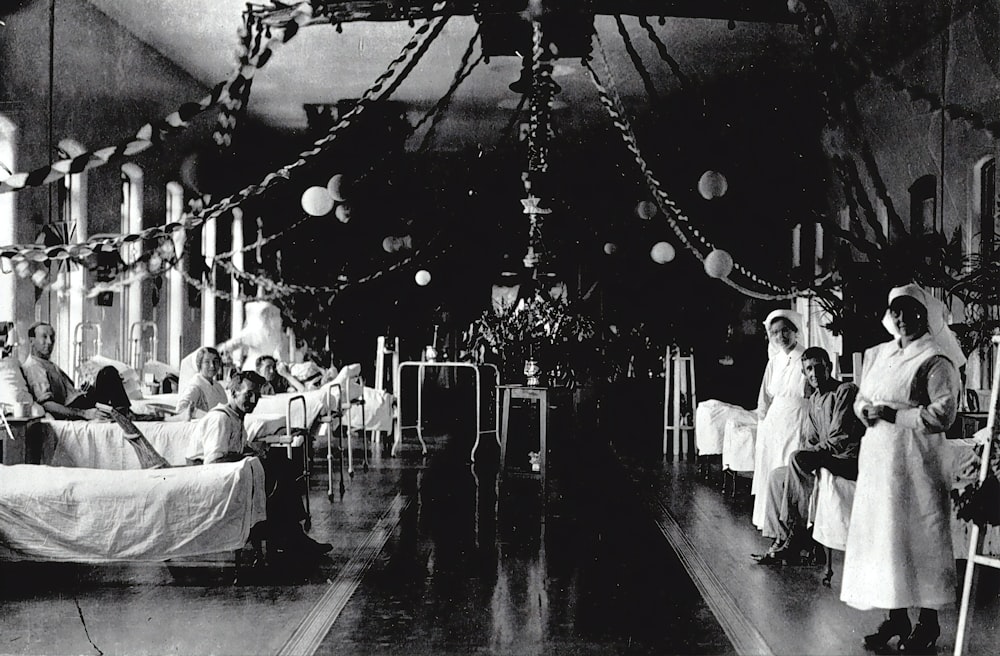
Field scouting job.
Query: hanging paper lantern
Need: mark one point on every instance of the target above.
(423, 277)
(646, 209)
(718, 264)
(796, 6)
(343, 213)
(712, 184)
(610, 248)
(662, 252)
(335, 187)
(390, 245)
(155, 262)
(23, 269)
(316, 201)
(40, 277)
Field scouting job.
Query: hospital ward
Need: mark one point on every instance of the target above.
(499, 327)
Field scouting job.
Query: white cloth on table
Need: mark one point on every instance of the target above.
(739, 441)
(899, 550)
(783, 409)
(88, 515)
(710, 419)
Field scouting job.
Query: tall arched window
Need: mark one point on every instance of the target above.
(131, 222)
(923, 205)
(68, 311)
(175, 289)
(8, 219)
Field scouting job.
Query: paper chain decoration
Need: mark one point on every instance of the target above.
(383, 86)
(231, 93)
(676, 219)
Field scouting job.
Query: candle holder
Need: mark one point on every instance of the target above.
(532, 371)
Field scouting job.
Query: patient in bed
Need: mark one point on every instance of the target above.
(202, 392)
(55, 390)
(220, 436)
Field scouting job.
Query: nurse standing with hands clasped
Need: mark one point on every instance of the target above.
(899, 551)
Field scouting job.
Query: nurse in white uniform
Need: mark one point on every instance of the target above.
(782, 407)
(899, 552)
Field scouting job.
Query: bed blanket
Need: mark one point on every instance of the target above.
(102, 445)
(89, 515)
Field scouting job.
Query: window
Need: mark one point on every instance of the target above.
(175, 280)
(72, 199)
(131, 222)
(8, 218)
(923, 205)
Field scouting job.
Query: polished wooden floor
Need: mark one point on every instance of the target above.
(768, 609)
(431, 556)
(630, 554)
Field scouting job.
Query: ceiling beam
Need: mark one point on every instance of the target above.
(347, 11)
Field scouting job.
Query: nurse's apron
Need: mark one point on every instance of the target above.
(779, 433)
(899, 551)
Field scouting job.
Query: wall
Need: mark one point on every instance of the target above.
(106, 84)
(907, 133)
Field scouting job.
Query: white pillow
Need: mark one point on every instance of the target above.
(348, 375)
(13, 387)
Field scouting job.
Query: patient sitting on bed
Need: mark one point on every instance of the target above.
(54, 389)
(220, 436)
(202, 392)
(278, 378)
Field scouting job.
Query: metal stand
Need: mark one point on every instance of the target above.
(137, 338)
(679, 382)
(975, 557)
(398, 442)
(85, 333)
(382, 372)
(342, 410)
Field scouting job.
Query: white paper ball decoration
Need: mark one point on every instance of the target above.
(389, 244)
(718, 264)
(646, 209)
(662, 252)
(712, 184)
(335, 187)
(343, 213)
(316, 201)
(423, 277)
(610, 248)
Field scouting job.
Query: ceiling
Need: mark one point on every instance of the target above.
(324, 65)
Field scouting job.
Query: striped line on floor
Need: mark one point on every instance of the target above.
(311, 631)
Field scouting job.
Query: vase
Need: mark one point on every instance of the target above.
(532, 371)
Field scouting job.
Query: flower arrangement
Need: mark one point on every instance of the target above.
(564, 341)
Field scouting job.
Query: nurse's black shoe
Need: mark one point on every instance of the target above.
(923, 639)
(891, 627)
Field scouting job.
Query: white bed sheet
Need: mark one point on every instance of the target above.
(102, 444)
(378, 408)
(88, 515)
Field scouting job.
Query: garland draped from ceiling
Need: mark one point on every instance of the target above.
(676, 219)
(231, 94)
